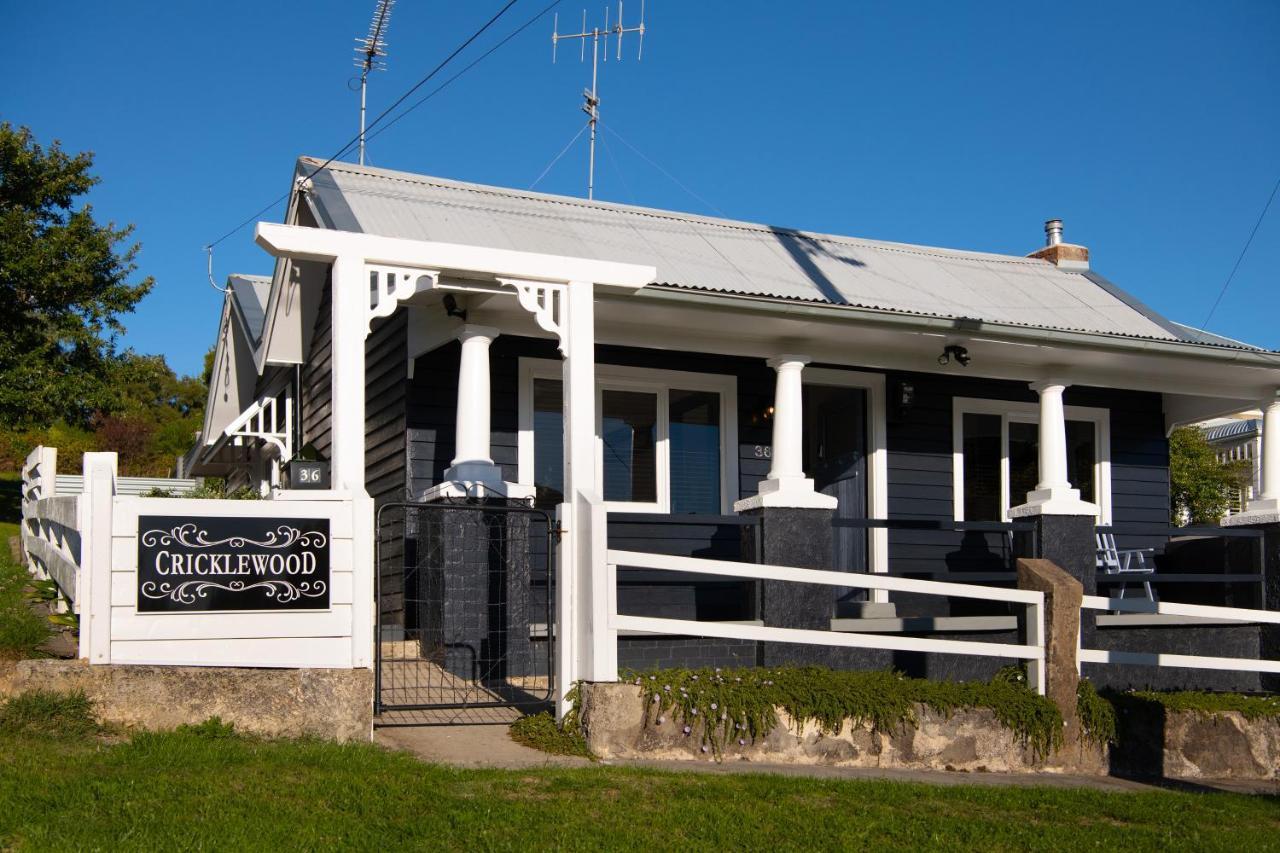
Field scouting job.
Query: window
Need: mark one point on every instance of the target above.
(665, 439)
(996, 456)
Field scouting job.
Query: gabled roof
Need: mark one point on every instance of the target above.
(249, 300)
(740, 258)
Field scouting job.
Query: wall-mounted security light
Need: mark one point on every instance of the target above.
(451, 307)
(959, 353)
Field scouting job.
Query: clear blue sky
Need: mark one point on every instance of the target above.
(1152, 129)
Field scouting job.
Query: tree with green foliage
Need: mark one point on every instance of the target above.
(64, 283)
(1200, 484)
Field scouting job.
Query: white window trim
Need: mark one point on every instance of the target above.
(643, 379)
(877, 456)
(1028, 413)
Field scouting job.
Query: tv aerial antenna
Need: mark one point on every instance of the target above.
(370, 53)
(591, 96)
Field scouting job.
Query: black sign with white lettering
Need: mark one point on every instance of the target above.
(189, 564)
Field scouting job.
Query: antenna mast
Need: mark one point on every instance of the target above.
(591, 96)
(369, 53)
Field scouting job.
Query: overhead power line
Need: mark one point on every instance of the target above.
(355, 141)
(1247, 243)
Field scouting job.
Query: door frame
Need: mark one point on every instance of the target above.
(877, 456)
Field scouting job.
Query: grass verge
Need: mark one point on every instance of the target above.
(540, 731)
(720, 706)
(206, 787)
(22, 631)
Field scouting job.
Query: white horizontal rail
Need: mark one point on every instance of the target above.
(1182, 661)
(727, 568)
(1137, 605)
(739, 631)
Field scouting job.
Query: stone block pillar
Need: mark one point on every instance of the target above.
(1068, 541)
(799, 538)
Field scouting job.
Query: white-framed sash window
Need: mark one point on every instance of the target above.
(995, 453)
(666, 440)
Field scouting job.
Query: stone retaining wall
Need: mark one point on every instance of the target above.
(613, 717)
(335, 704)
(1182, 745)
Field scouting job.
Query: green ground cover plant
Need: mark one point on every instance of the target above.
(721, 706)
(206, 787)
(542, 732)
(1253, 707)
(1097, 714)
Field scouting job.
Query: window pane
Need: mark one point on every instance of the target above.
(1082, 452)
(548, 442)
(1024, 460)
(695, 451)
(981, 467)
(629, 430)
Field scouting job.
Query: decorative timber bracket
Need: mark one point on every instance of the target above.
(391, 285)
(545, 301)
(269, 419)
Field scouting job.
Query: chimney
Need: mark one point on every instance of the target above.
(1067, 256)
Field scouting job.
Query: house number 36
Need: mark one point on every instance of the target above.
(764, 451)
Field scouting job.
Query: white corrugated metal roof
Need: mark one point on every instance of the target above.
(728, 256)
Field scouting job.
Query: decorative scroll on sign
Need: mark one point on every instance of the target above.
(193, 564)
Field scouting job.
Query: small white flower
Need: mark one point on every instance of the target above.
(714, 706)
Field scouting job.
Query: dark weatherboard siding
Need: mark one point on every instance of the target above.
(316, 389)
(919, 464)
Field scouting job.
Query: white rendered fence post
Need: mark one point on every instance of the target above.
(577, 591)
(350, 300)
(93, 583)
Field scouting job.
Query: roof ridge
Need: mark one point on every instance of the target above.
(675, 216)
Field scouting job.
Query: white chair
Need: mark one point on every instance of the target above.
(1130, 561)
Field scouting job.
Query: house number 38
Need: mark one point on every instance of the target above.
(764, 451)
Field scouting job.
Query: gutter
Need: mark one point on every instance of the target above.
(907, 322)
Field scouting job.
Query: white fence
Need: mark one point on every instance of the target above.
(90, 545)
(50, 531)
(1202, 611)
(1032, 652)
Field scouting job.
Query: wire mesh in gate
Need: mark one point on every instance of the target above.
(464, 606)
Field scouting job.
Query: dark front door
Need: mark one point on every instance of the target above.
(835, 445)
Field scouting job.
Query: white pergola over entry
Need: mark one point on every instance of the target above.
(371, 275)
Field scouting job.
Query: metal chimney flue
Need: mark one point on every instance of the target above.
(1053, 232)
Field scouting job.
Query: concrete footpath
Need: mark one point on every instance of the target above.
(489, 746)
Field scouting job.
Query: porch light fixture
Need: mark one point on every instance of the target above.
(955, 351)
(451, 307)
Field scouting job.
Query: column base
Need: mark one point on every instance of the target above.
(795, 492)
(476, 480)
(1266, 511)
(1054, 501)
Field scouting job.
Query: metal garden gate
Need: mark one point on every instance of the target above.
(465, 596)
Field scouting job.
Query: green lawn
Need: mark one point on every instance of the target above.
(209, 790)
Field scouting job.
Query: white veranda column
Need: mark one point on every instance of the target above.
(786, 485)
(471, 456)
(1268, 500)
(1054, 493)
(1053, 438)
(788, 418)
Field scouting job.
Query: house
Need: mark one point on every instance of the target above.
(1238, 439)
(670, 383)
